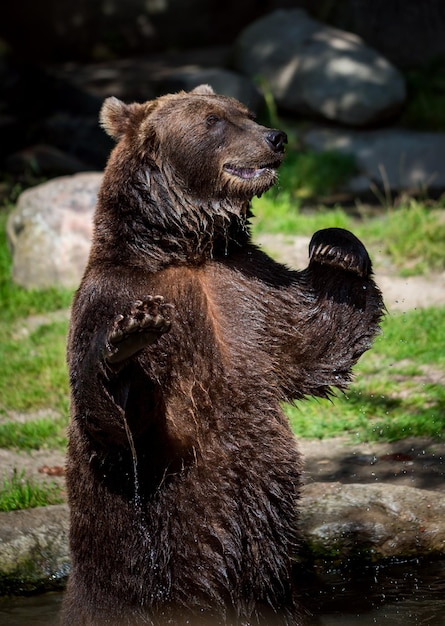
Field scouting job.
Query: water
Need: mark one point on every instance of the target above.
(40, 610)
(408, 594)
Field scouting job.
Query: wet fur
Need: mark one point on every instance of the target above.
(183, 475)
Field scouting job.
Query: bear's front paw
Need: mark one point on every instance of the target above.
(146, 320)
(341, 249)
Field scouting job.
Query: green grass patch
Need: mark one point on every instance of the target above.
(285, 216)
(306, 174)
(415, 335)
(303, 175)
(33, 372)
(34, 434)
(398, 390)
(411, 235)
(395, 393)
(19, 492)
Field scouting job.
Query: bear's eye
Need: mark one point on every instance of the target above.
(212, 120)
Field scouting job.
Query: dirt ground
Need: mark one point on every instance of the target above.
(415, 462)
(400, 293)
(411, 462)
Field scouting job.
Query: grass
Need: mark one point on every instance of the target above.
(284, 215)
(411, 235)
(414, 237)
(306, 174)
(396, 392)
(303, 175)
(18, 492)
(33, 373)
(32, 368)
(33, 376)
(34, 434)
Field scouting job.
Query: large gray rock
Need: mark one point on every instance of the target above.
(50, 229)
(338, 522)
(34, 552)
(372, 521)
(408, 34)
(313, 68)
(390, 159)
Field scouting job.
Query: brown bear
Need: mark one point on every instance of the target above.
(183, 475)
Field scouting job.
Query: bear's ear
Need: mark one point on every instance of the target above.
(203, 90)
(116, 117)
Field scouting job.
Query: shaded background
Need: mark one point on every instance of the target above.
(408, 32)
(49, 95)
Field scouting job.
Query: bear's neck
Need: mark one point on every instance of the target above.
(144, 222)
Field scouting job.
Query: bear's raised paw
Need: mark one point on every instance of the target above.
(341, 249)
(145, 321)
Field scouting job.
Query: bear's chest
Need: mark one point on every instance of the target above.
(220, 318)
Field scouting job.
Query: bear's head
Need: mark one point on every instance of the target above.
(205, 146)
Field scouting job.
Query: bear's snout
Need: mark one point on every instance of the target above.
(276, 140)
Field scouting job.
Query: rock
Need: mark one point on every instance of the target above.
(412, 37)
(338, 522)
(372, 521)
(49, 231)
(34, 554)
(393, 159)
(312, 68)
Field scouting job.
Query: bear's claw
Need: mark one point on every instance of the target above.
(341, 249)
(146, 321)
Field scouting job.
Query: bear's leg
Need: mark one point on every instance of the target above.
(146, 320)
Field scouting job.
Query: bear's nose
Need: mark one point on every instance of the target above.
(276, 140)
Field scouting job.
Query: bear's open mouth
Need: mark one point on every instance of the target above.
(247, 173)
